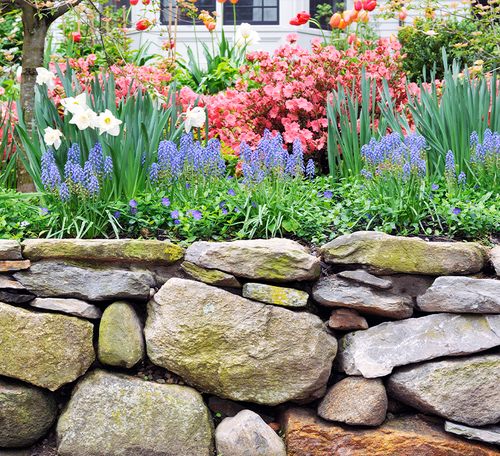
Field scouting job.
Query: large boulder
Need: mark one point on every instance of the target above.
(334, 291)
(235, 348)
(116, 415)
(47, 350)
(26, 413)
(386, 254)
(59, 279)
(406, 435)
(121, 342)
(247, 434)
(464, 389)
(355, 400)
(119, 250)
(10, 250)
(276, 260)
(461, 295)
(376, 351)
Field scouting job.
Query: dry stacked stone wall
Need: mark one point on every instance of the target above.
(371, 345)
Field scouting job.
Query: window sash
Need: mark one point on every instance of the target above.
(255, 12)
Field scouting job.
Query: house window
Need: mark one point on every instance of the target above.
(256, 12)
(336, 5)
(183, 19)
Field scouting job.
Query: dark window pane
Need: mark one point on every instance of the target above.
(252, 11)
(313, 7)
(183, 19)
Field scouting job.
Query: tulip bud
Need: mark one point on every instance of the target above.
(143, 24)
(369, 5)
(245, 30)
(210, 25)
(146, 2)
(303, 17)
(358, 5)
(335, 20)
(402, 14)
(295, 21)
(354, 15)
(364, 16)
(346, 15)
(76, 37)
(134, 2)
(342, 24)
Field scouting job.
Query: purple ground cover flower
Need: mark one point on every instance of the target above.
(457, 211)
(165, 202)
(174, 214)
(197, 215)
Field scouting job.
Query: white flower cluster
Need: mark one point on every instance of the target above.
(83, 116)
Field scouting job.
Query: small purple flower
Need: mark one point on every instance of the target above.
(132, 203)
(224, 211)
(457, 211)
(236, 209)
(24, 223)
(175, 215)
(197, 215)
(165, 201)
(222, 204)
(187, 185)
(177, 222)
(328, 195)
(133, 210)
(254, 204)
(116, 214)
(231, 192)
(45, 211)
(434, 187)
(467, 201)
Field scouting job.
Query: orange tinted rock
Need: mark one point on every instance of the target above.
(407, 435)
(346, 320)
(6, 266)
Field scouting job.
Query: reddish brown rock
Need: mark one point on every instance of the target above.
(407, 435)
(346, 320)
(7, 266)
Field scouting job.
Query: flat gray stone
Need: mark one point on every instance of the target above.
(58, 279)
(238, 349)
(346, 320)
(337, 292)
(355, 400)
(365, 278)
(276, 260)
(75, 307)
(210, 276)
(7, 283)
(279, 296)
(247, 434)
(45, 349)
(386, 254)
(15, 298)
(376, 351)
(26, 413)
(463, 390)
(461, 295)
(489, 434)
(409, 284)
(10, 250)
(121, 342)
(115, 415)
(12, 452)
(494, 255)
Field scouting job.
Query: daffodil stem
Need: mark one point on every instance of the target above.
(196, 39)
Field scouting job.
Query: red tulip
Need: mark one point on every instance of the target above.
(303, 17)
(210, 25)
(221, 1)
(143, 24)
(76, 37)
(233, 1)
(146, 2)
(358, 5)
(369, 5)
(134, 2)
(295, 21)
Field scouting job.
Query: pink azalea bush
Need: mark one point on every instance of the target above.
(291, 93)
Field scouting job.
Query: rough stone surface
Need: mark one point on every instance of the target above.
(19, 452)
(26, 413)
(238, 349)
(121, 250)
(121, 342)
(376, 351)
(494, 255)
(276, 260)
(386, 254)
(355, 400)
(247, 434)
(15, 298)
(333, 291)
(489, 434)
(59, 279)
(409, 284)
(463, 389)
(10, 250)
(47, 350)
(280, 296)
(365, 278)
(346, 320)
(75, 307)
(210, 276)
(15, 265)
(116, 415)
(461, 295)
(405, 435)
(8, 283)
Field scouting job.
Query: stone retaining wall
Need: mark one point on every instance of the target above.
(374, 344)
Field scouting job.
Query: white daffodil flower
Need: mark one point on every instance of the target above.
(84, 119)
(108, 123)
(240, 41)
(195, 117)
(46, 77)
(245, 30)
(74, 104)
(52, 137)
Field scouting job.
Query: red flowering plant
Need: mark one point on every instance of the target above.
(291, 92)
